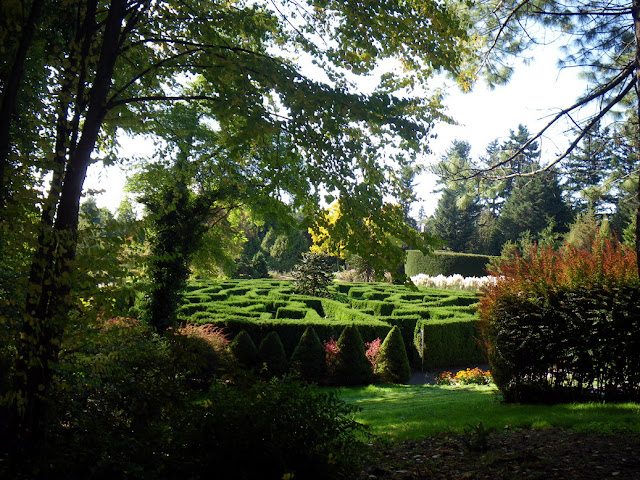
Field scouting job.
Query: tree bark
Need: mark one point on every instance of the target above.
(635, 11)
(48, 300)
(10, 94)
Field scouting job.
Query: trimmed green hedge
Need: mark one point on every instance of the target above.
(374, 307)
(568, 345)
(447, 342)
(446, 263)
(377, 307)
(291, 330)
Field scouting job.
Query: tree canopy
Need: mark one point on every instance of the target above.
(270, 85)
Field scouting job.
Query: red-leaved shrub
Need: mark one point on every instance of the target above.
(564, 326)
(373, 350)
(331, 350)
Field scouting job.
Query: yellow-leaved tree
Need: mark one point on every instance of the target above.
(376, 238)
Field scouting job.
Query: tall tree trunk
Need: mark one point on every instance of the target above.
(48, 299)
(636, 24)
(10, 94)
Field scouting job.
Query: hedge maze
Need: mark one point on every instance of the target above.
(441, 325)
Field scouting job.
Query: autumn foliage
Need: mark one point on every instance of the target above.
(565, 325)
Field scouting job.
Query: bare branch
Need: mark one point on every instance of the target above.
(583, 132)
(503, 25)
(111, 102)
(163, 98)
(598, 93)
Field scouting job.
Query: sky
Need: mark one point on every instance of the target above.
(535, 92)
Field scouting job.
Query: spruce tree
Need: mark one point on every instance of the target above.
(534, 202)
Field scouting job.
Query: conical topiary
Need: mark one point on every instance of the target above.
(244, 350)
(308, 362)
(392, 364)
(352, 365)
(271, 355)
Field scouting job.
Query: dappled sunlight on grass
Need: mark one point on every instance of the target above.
(402, 412)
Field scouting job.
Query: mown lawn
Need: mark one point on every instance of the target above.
(402, 412)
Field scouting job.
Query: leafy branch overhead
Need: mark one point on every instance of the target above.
(274, 82)
(599, 38)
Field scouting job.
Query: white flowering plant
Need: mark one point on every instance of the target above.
(453, 282)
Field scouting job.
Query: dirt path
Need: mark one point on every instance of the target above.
(514, 455)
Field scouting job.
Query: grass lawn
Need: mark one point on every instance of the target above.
(403, 412)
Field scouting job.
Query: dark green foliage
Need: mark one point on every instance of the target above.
(456, 225)
(259, 266)
(351, 364)
(571, 345)
(407, 326)
(256, 268)
(313, 275)
(201, 359)
(124, 409)
(267, 430)
(364, 271)
(290, 312)
(271, 355)
(118, 384)
(269, 305)
(377, 307)
(176, 217)
(456, 218)
(392, 365)
(287, 250)
(308, 361)
(565, 326)
(446, 263)
(443, 342)
(244, 349)
(534, 203)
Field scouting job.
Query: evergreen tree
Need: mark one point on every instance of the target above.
(455, 219)
(308, 362)
(407, 193)
(272, 356)
(352, 367)
(456, 223)
(587, 169)
(244, 350)
(535, 202)
(392, 365)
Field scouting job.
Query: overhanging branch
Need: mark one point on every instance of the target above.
(603, 90)
(163, 98)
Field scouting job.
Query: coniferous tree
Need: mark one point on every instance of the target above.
(244, 350)
(535, 202)
(455, 219)
(588, 168)
(352, 367)
(308, 361)
(272, 356)
(456, 222)
(392, 365)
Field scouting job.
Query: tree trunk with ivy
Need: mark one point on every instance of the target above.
(48, 297)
